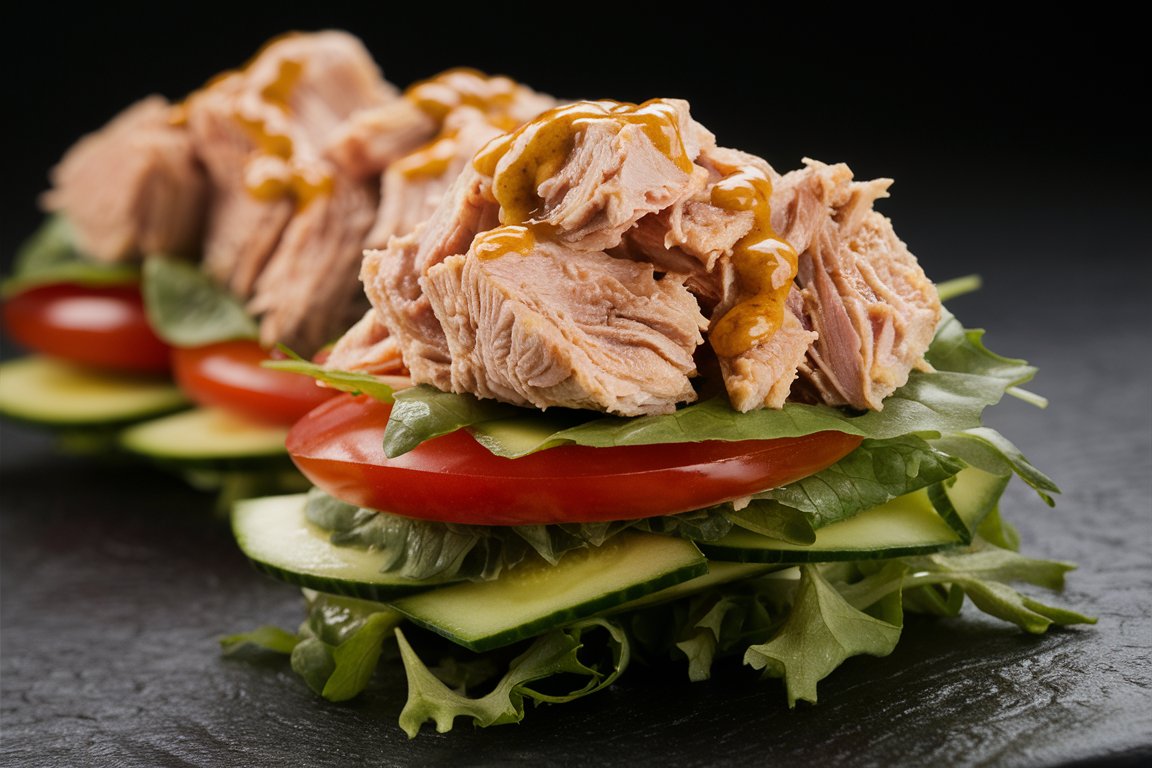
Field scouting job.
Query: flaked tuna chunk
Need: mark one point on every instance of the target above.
(763, 376)
(612, 176)
(414, 185)
(309, 293)
(367, 347)
(286, 223)
(561, 327)
(133, 187)
(694, 234)
(373, 138)
(862, 291)
(392, 275)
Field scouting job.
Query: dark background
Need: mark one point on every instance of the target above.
(956, 103)
(1017, 154)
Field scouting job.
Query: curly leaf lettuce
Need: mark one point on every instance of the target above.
(554, 654)
(821, 632)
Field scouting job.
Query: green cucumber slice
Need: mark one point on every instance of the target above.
(906, 525)
(536, 597)
(274, 534)
(207, 439)
(719, 573)
(47, 392)
(966, 499)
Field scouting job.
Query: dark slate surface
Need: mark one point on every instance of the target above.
(116, 581)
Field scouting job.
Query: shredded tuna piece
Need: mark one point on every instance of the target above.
(392, 276)
(863, 293)
(367, 347)
(286, 224)
(158, 201)
(560, 327)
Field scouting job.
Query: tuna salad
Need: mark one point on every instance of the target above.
(603, 254)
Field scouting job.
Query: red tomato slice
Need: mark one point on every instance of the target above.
(230, 375)
(100, 326)
(453, 478)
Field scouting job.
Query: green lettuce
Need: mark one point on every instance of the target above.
(798, 624)
(353, 382)
(187, 309)
(554, 655)
(50, 256)
(967, 379)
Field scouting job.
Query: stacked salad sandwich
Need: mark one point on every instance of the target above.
(669, 405)
(184, 242)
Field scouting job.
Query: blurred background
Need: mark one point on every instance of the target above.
(975, 117)
(1019, 152)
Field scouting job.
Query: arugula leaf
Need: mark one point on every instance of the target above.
(876, 472)
(50, 256)
(728, 618)
(821, 631)
(990, 451)
(377, 387)
(187, 309)
(552, 654)
(423, 412)
(266, 638)
(968, 378)
(341, 643)
(355, 659)
(775, 520)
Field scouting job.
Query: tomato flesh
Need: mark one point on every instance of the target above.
(230, 375)
(100, 326)
(339, 447)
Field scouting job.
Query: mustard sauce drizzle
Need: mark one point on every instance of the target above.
(438, 96)
(765, 266)
(542, 146)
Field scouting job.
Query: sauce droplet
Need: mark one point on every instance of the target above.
(765, 265)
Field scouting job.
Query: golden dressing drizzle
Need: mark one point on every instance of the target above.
(432, 159)
(765, 266)
(543, 146)
(509, 238)
(438, 96)
(301, 186)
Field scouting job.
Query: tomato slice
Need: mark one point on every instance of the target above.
(230, 375)
(339, 447)
(100, 326)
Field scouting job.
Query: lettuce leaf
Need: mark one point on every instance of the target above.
(552, 655)
(876, 472)
(967, 379)
(356, 383)
(50, 256)
(187, 309)
(821, 632)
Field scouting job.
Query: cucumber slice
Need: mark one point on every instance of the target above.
(907, 525)
(534, 598)
(719, 573)
(277, 538)
(208, 439)
(47, 392)
(965, 500)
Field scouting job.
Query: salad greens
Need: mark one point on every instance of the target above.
(798, 623)
(187, 309)
(49, 255)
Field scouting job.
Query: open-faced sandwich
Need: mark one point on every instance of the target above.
(183, 243)
(669, 405)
